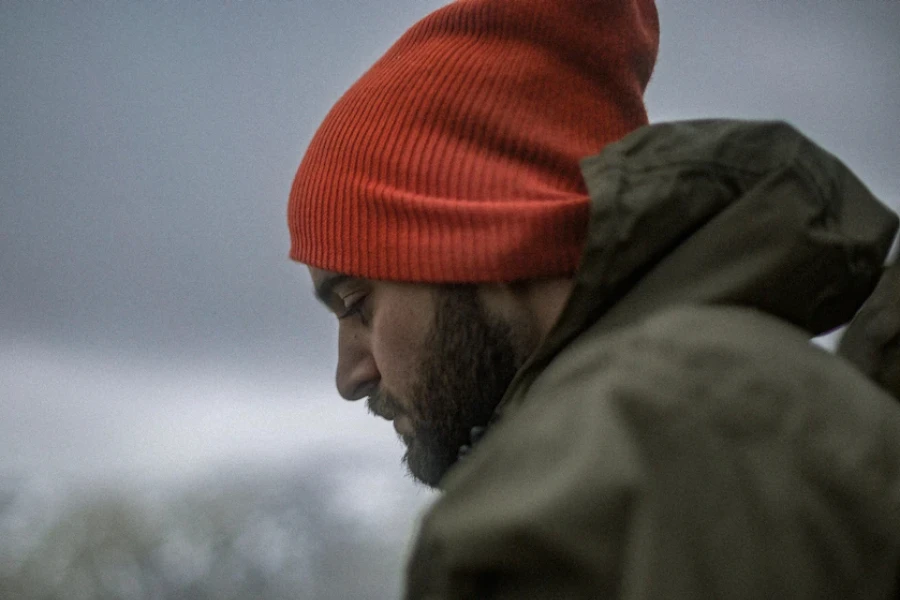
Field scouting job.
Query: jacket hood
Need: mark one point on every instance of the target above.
(721, 212)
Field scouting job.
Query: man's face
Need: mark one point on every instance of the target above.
(430, 358)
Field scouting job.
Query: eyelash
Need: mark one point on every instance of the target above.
(356, 309)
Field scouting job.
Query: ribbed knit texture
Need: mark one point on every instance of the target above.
(455, 157)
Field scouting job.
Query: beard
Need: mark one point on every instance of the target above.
(470, 359)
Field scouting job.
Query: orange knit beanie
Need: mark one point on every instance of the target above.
(455, 157)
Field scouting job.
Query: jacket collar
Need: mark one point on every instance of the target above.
(719, 212)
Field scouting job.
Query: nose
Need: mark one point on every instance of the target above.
(357, 374)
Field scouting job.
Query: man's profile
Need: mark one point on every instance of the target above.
(592, 333)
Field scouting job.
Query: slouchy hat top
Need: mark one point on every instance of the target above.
(455, 158)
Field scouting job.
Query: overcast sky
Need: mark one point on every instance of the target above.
(150, 321)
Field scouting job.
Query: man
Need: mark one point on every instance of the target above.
(607, 321)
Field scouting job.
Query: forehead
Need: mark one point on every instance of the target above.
(319, 276)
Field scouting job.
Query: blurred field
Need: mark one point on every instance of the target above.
(244, 534)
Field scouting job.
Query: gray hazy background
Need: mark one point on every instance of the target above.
(152, 329)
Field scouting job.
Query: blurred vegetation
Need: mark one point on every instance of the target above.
(250, 536)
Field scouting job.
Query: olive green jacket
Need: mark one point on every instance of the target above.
(676, 435)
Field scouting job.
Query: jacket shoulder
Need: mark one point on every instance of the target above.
(701, 451)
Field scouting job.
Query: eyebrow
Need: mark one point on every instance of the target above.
(325, 289)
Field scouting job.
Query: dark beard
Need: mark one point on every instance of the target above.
(471, 358)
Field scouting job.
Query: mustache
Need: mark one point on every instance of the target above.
(382, 404)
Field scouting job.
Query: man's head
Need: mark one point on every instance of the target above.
(444, 189)
(434, 359)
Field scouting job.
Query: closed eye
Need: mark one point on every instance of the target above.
(355, 309)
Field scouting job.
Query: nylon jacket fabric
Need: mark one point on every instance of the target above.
(872, 342)
(676, 435)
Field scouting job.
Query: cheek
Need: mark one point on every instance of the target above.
(398, 342)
